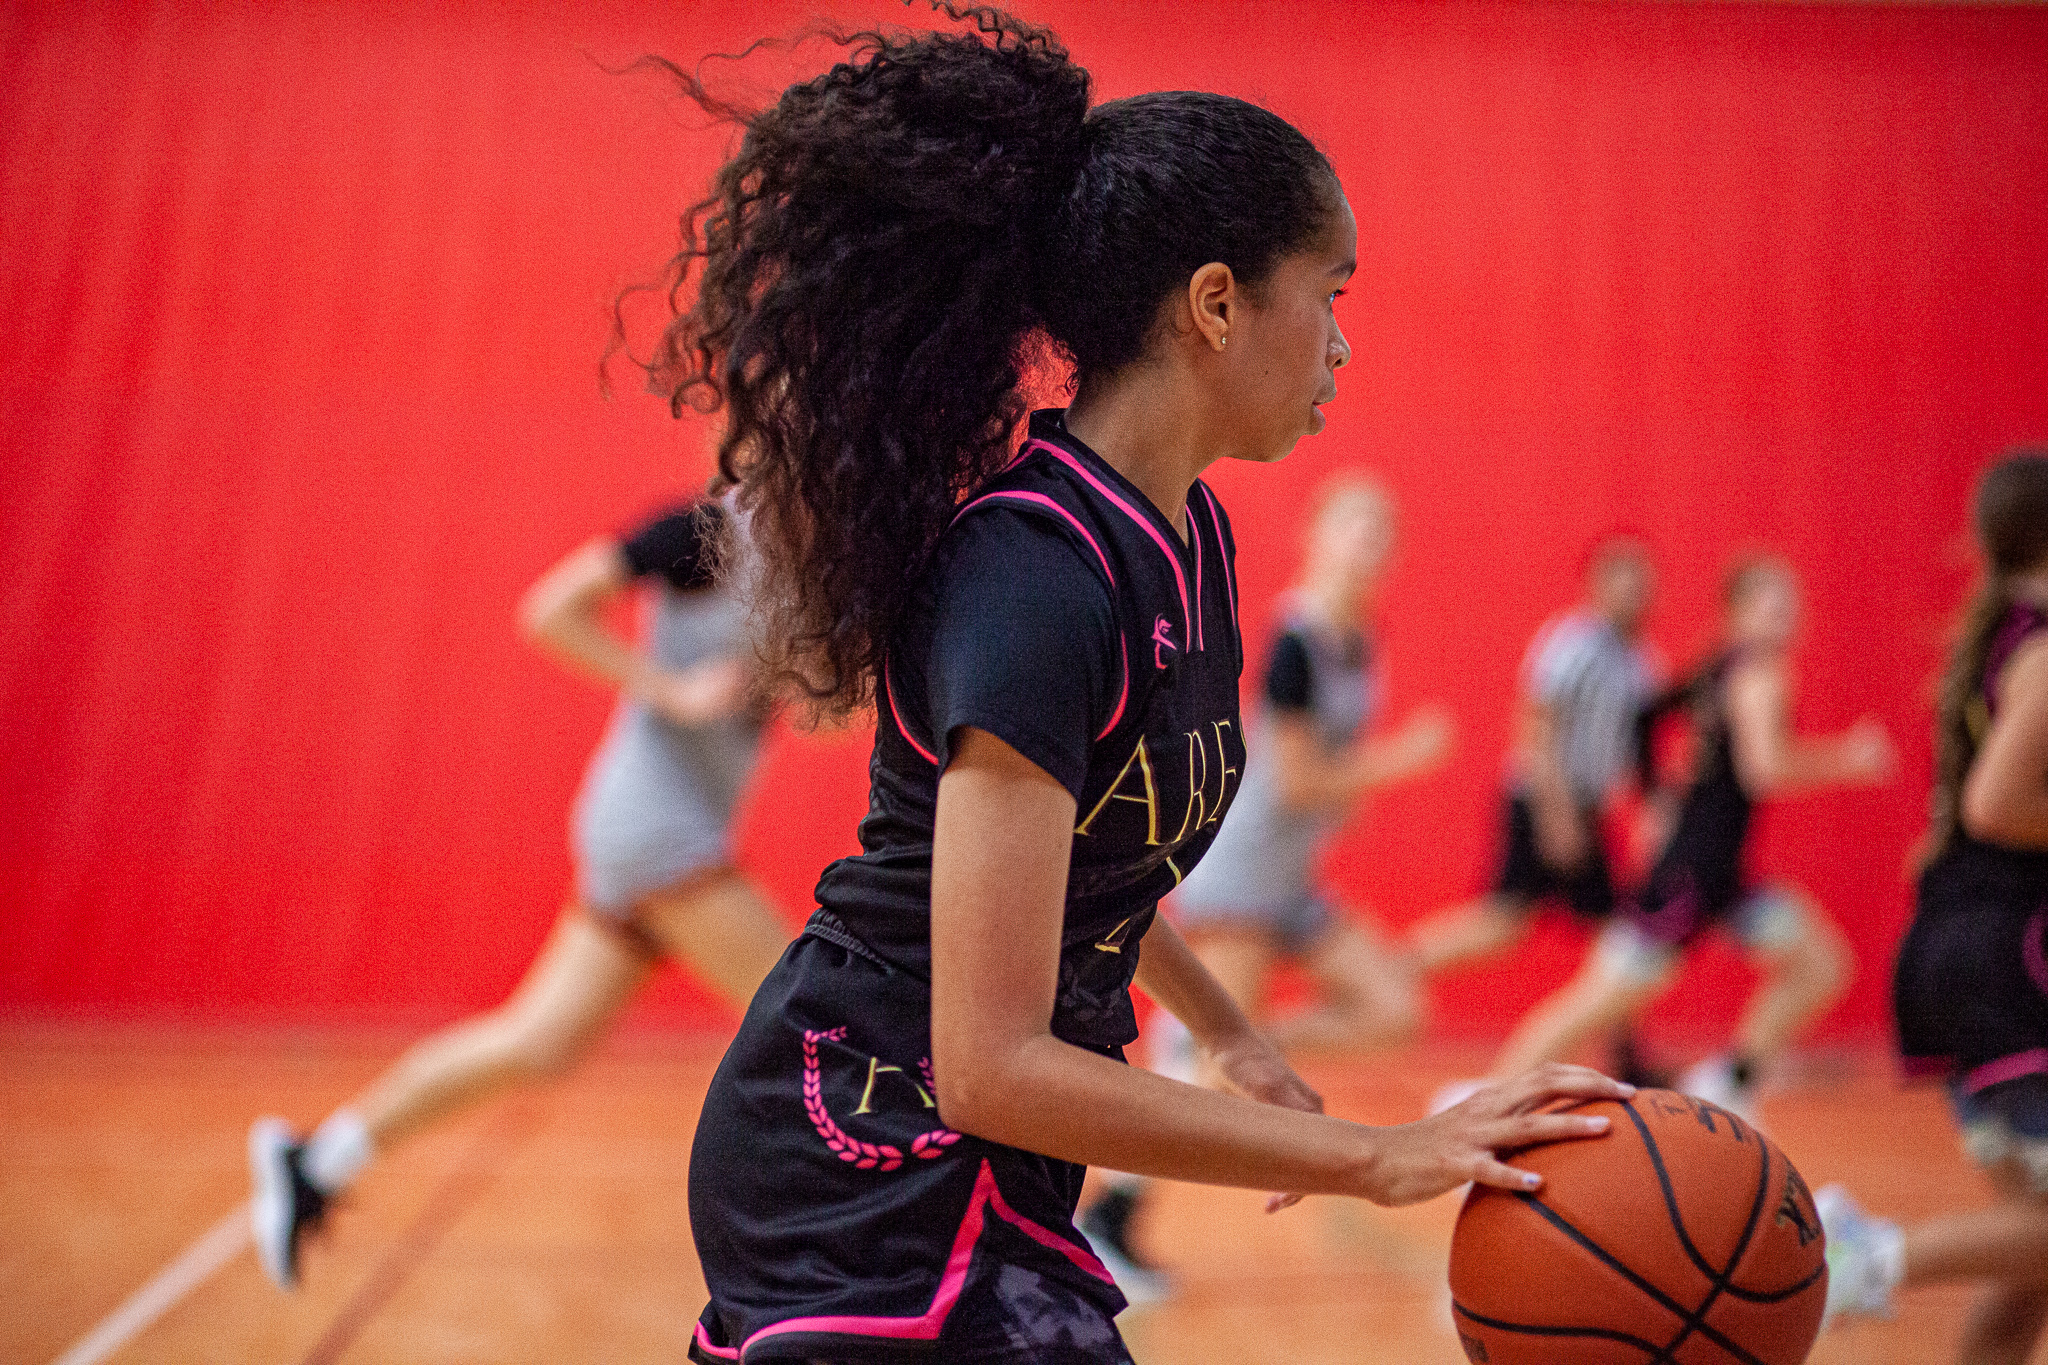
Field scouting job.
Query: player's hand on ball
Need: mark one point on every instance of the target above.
(1422, 1160)
(1254, 1068)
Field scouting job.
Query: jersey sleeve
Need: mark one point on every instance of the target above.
(681, 545)
(1024, 643)
(1290, 677)
(1556, 656)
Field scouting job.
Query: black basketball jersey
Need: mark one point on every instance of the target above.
(835, 1215)
(1703, 859)
(1066, 616)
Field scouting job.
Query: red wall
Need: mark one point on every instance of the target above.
(302, 307)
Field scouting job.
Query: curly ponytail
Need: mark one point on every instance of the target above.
(2011, 522)
(880, 263)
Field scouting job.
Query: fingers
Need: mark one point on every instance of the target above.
(1528, 1130)
(1556, 1081)
(1504, 1177)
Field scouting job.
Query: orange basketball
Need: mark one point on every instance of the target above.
(1683, 1235)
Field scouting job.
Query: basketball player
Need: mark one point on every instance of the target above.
(654, 866)
(1256, 900)
(1744, 751)
(888, 1157)
(1587, 676)
(1971, 988)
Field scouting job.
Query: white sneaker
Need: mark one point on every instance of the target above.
(284, 1205)
(1866, 1257)
(1713, 1080)
(1454, 1094)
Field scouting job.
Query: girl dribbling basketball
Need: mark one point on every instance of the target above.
(888, 1157)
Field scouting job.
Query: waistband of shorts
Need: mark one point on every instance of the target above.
(825, 925)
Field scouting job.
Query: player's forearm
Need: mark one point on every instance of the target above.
(1175, 978)
(582, 643)
(1048, 1096)
(1800, 765)
(2012, 814)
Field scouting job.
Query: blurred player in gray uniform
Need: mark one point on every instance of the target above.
(1257, 898)
(654, 871)
(1586, 678)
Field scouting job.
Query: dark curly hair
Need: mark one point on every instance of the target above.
(2010, 518)
(888, 254)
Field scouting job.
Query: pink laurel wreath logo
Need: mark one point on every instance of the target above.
(865, 1156)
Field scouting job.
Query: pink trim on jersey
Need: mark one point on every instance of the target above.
(1124, 645)
(927, 1325)
(1195, 535)
(1180, 579)
(897, 716)
(705, 1345)
(2032, 1063)
(1041, 500)
(1216, 520)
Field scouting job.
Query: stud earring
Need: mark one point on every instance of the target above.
(1222, 341)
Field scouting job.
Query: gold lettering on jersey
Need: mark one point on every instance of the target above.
(1113, 941)
(1201, 810)
(1223, 779)
(875, 1070)
(1142, 761)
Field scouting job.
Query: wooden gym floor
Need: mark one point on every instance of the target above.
(553, 1226)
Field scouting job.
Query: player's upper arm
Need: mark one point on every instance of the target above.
(576, 584)
(1756, 721)
(2005, 796)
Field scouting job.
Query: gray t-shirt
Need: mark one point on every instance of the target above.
(1263, 860)
(1595, 683)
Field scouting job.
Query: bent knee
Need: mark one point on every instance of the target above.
(538, 1052)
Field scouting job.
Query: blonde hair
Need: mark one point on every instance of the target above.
(1347, 487)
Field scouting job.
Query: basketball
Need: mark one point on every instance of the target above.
(1683, 1235)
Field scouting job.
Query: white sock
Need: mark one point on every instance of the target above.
(337, 1152)
(1888, 1245)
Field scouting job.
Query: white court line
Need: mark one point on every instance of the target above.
(195, 1266)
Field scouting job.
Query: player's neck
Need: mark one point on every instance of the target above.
(1148, 433)
(2030, 587)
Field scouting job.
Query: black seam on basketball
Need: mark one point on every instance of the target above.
(1670, 1194)
(1532, 1329)
(1713, 1334)
(1720, 1281)
(1778, 1296)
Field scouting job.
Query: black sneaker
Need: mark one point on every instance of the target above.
(285, 1205)
(1106, 1225)
(1632, 1066)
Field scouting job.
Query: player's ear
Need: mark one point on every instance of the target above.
(1213, 303)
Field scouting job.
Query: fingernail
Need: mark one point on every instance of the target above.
(1531, 1181)
(1596, 1125)
(1627, 1091)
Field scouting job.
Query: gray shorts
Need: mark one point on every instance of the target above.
(656, 806)
(1296, 924)
(2007, 1123)
(1766, 918)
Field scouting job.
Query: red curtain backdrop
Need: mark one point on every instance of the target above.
(300, 313)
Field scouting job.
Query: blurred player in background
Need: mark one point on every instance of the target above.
(1971, 989)
(1586, 678)
(1743, 751)
(1257, 899)
(655, 877)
